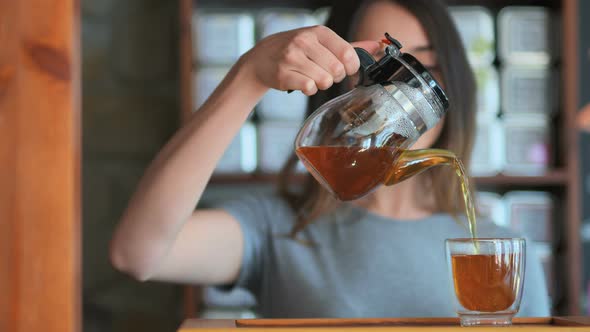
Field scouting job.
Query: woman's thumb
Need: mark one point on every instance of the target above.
(371, 46)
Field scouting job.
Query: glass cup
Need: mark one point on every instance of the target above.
(487, 276)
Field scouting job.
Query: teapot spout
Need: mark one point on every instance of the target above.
(414, 162)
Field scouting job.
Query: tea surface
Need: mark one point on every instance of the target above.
(486, 282)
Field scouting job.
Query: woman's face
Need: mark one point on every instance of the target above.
(386, 16)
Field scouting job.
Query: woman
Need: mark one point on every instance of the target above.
(378, 256)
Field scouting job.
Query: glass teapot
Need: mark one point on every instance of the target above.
(354, 143)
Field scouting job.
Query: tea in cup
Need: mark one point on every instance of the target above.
(487, 276)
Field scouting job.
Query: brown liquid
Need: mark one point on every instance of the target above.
(413, 162)
(486, 282)
(352, 172)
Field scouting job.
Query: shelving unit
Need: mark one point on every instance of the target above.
(563, 181)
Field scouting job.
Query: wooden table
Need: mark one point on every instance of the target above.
(379, 324)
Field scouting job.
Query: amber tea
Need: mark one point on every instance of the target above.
(485, 282)
(352, 172)
(487, 276)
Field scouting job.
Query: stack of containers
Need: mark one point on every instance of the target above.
(280, 113)
(490, 206)
(528, 88)
(219, 39)
(513, 133)
(529, 214)
(476, 28)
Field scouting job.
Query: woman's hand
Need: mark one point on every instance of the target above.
(307, 59)
(584, 118)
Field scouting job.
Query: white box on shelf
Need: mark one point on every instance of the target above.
(487, 156)
(221, 37)
(280, 105)
(491, 206)
(488, 90)
(274, 21)
(529, 89)
(206, 80)
(526, 35)
(322, 14)
(530, 213)
(546, 256)
(526, 145)
(476, 28)
(276, 143)
(240, 156)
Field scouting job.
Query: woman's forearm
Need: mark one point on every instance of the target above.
(174, 182)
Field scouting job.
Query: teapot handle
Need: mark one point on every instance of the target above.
(366, 61)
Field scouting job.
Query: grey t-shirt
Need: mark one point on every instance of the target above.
(362, 264)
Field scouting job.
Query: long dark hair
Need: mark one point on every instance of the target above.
(459, 127)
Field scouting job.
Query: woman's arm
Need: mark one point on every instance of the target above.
(173, 184)
(160, 236)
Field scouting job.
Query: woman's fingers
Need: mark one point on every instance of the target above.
(371, 46)
(323, 80)
(293, 80)
(325, 59)
(297, 61)
(322, 65)
(317, 54)
(339, 47)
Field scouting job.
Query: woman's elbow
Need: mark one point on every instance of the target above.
(122, 261)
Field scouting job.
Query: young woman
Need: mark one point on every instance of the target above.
(379, 256)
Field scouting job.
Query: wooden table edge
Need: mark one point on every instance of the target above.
(411, 323)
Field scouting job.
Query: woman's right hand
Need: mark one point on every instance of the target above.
(307, 59)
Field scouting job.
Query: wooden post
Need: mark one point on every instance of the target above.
(570, 106)
(39, 166)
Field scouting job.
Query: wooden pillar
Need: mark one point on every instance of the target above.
(570, 104)
(39, 166)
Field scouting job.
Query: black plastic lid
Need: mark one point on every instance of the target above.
(382, 71)
(430, 80)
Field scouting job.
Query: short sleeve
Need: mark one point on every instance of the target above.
(257, 216)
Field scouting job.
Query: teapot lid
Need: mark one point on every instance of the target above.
(380, 72)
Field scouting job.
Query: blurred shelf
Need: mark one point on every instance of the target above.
(313, 4)
(556, 177)
(259, 4)
(551, 178)
(497, 4)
